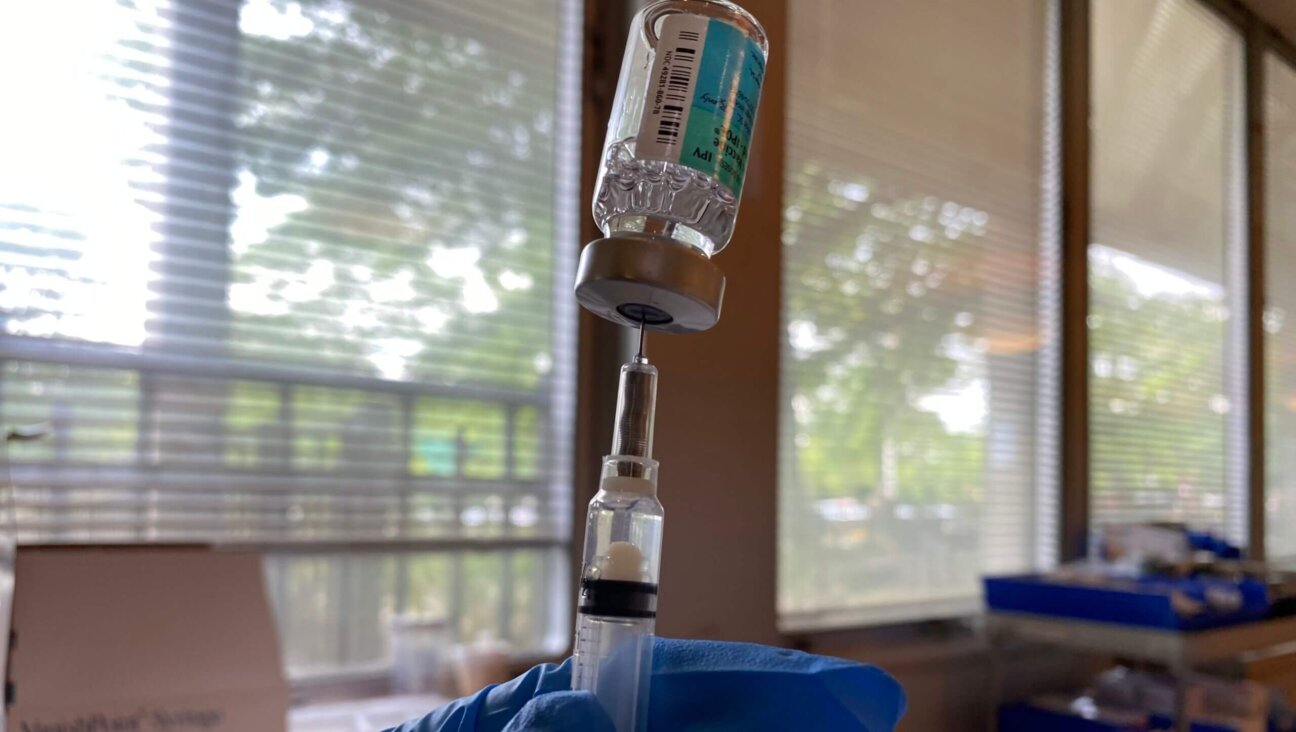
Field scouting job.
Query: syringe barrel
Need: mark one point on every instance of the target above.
(613, 659)
(617, 610)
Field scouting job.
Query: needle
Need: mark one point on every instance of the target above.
(639, 356)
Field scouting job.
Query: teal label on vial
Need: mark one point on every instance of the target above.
(719, 134)
(702, 98)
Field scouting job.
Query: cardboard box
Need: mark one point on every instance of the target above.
(156, 639)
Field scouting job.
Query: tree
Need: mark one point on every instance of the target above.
(397, 219)
(881, 297)
(408, 155)
(874, 282)
(1158, 404)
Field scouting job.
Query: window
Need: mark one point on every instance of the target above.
(295, 273)
(1280, 347)
(919, 374)
(1166, 267)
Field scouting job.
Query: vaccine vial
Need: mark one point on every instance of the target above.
(680, 131)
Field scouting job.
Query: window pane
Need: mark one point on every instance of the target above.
(917, 390)
(70, 188)
(459, 438)
(336, 610)
(1166, 321)
(304, 280)
(1280, 347)
(346, 430)
(323, 237)
(392, 188)
(255, 435)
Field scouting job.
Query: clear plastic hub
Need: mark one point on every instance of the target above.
(681, 126)
(623, 530)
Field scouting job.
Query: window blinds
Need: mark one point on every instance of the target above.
(289, 270)
(919, 367)
(1280, 329)
(1166, 267)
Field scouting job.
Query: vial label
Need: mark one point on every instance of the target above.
(702, 96)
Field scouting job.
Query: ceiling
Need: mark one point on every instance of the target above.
(1281, 14)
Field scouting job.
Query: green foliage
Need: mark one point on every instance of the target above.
(455, 437)
(483, 589)
(346, 429)
(882, 292)
(251, 419)
(429, 585)
(1157, 405)
(396, 138)
(878, 284)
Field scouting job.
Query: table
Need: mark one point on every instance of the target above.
(1180, 652)
(367, 715)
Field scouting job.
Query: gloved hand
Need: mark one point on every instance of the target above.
(696, 686)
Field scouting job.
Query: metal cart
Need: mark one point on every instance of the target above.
(1180, 652)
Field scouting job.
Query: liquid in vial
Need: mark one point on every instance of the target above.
(681, 127)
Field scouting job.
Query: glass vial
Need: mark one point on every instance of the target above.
(681, 127)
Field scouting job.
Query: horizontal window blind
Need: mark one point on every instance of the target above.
(919, 370)
(296, 273)
(336, 608)
(1167, 313)
(1280, 299)
(288, 270)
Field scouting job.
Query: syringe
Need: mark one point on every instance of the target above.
(618, 588)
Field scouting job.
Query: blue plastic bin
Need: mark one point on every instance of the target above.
(1144, 602)
(1026, 718)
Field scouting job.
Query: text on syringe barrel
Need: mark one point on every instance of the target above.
(613, 659)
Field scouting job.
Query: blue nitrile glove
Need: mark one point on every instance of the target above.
(696, 686)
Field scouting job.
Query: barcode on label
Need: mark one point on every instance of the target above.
(679, 86)
(672, 85)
